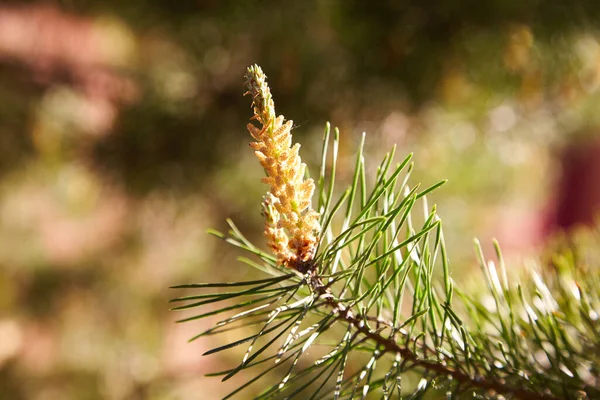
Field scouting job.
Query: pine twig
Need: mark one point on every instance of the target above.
(389, 345)
(358, 275)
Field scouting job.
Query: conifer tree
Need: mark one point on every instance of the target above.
(354, 283)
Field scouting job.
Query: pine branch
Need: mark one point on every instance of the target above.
(389, 345)
(358, 277)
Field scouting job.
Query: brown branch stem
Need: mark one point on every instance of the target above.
(389, 345)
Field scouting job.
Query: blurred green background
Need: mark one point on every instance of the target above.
(122, 139)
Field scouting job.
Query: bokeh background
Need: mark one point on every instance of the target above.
(122, 139)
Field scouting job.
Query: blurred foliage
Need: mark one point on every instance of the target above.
(119, 152)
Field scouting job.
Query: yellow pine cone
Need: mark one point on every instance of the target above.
(291, 224)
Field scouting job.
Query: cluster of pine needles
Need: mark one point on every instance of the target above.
(369, 309)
